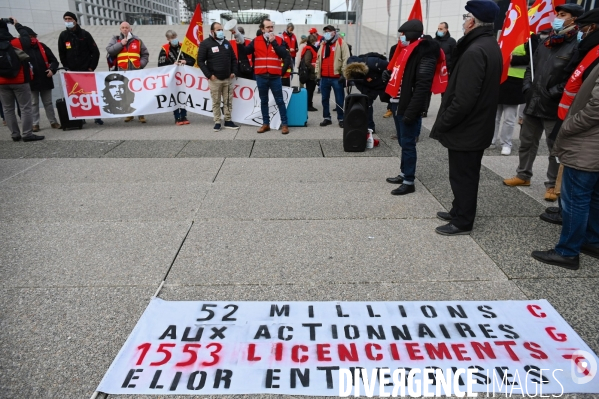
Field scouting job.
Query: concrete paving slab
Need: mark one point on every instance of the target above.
(575, 299)
(101, 202)
(11, 150)
(509, 242)
(10, 168)
(307, 170)
(147, 149)
(57, 343)
(249, 201)
(333, 251)
(89, 130)
(311, 132)
(286, 149)
(74, 149)
(87, 253)
(91, 170)
(334, 148)
(217, 149)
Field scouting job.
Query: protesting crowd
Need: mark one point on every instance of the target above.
(552, 87)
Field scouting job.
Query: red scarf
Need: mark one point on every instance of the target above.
(574, 83)
(42, 51)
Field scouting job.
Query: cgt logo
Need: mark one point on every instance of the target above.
(82, 99)
(583, 367)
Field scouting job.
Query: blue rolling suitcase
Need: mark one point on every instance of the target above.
(297, 110)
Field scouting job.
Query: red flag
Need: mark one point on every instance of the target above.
(416, 12)
(515, 32)
(194, 35)
(542, 13)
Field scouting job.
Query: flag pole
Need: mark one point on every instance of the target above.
(532, 68)
(388, 26)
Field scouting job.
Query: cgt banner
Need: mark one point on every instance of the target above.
(155, 90)
(343, 348)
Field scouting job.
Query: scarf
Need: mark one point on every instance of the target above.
(561, 36)
(34, 42)
(327, 46)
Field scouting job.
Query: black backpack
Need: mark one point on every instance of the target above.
(10, 65)
(303, 72)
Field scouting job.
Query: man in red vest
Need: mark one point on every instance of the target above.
(15, 76)
(291, 41)
(269, 53)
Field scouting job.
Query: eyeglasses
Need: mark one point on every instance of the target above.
(466, 16)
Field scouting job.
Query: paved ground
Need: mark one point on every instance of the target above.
(92, 222)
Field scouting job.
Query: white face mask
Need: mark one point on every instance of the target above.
(69, 24)
(266, 35)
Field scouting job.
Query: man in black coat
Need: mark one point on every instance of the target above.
(466, 119)
(44, 65)
(552, 68)
(77, 49)
(447, 43)
(217, 61)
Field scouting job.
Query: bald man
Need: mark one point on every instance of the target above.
(130, 54)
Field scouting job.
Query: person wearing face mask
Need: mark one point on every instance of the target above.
(77, 49)
(291, 41)
(217, 60)
(169, 55)
(552, 68)
(331, 61)
(447, 43)
(409, 78)
(466, 119)
(245, 61)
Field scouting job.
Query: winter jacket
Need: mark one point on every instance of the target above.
(309, 59)
(77, 50)
(115, 47)
(577, 143)
(22, 42)
(466, 118)
(366, 72)
(41, 81)
(217, 59)
(341, 56)
(552, 68)
(447, 44)
(170, 58)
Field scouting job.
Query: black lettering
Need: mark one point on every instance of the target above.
(430, 371)
(340, 312)
(334, 331)
(329, 374)
(371, 312)
(154, 383)
(487, 311)
(282, 333)
(535, 371)
(353, 375)
(179, 97)
(175, 382)
(170, 332)
(131, 376)
(464, 328)
(501, 370)
(380, 334)
(424, 331)
(196, 338)
(486, 329)
(511, 334)
(218, 332)
(172, 101)
(428, 311)
(444, 331)
(189, 102)
(270, 377)
(303, 378)
(378, 375)
(459, 312)
(192, 378)
(460, 381)
(356, 333)
(312, 327)
(228, 317)
(160, 98)
(223, 375)
(402, 311)
(205, 105)
(262, 332)
(398, 334)
(485, 381)
(311, 311)
(274, 309)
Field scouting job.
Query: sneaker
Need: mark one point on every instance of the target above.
(506, 150)
(142, 119)
(179, 122)
(590, 250)
(231, 125)
(184, 120)
(33, 137)
(217, 127)
(129, 118)
(326, 122)
(341, 124)
(16, 138)
(98, 121)
(516, 181)
(388, 114)
(551, 257)
(57, 125)
(36, 128)
(550, 194)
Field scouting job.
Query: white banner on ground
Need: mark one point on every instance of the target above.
(325, 348)
(155, 90)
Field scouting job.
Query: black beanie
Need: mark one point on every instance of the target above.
(70, 14)
(412, 29)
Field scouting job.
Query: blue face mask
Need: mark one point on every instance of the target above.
(175, 42)
(440, 34)
(69, 24)
(579, 36)
(327, 36)
(220, 35)
(557, 24)
(404, 41)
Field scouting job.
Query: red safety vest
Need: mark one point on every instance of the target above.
(20, 78)
(266, 59)
(574, 83)
(314, 54)
(234, 46)
(130, 53)
(327, 66)
(291, 41)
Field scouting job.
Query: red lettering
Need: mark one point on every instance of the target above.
(439, 352)
(394, 352)
(346, 355)
(485, 347)
(295, 353)
(252, 353)
(533, 310)
(370, 355)
(508, 347)
(163, 78)
(560, 337)
(278, 351)
(201, 86)
(178, 79)
(249, 93)
(414, 351)
(535, 348)
(192, 80)
(152, 87)
(131, 85)
(322, 350)
(235, 91)
(459, 350)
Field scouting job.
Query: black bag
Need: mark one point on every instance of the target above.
(355, 126)
(244, 67)
(10, 64)
(63, 115)
(303, 72)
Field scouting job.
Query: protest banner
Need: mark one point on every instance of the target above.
(155, 90)
(335, 348)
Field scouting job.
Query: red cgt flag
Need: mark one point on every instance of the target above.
(194, 35)
(515, 32)
(416, 12)
(542, 13)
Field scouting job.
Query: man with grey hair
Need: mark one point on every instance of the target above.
(466, 120)
(291, 41)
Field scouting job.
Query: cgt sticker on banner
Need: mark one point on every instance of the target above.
(371, 348)
(157, 90)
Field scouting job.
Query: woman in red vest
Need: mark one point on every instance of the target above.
(291, 41)
(309, 54)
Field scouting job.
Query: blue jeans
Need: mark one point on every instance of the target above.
(276, 86)
(180, 113)
(580, 211)
(406, 136)
(325, 89)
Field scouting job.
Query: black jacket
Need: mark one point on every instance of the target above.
(366, 71)
(447, 44)
(77, 50)
(25, 40)
(466, 119)
(552, 68)
(510, 91)
(40, 80)
(217, 59)
(170, 58)
(417, 79)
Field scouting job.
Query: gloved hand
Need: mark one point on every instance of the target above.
(386, 75)
(342, 81)
(317, 82)
(408, 121)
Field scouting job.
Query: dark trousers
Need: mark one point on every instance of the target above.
(464, 175)
(310, 87)
(286, 82)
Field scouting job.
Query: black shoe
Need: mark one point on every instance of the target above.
(18, 138)
(404, 189)
(424, 114)
(395, 180)
(553, 258)
(98, 121)
(590, 250)
(312, 109)
(444, 216)
(555, 218)
(341, 124)
(33, 137)
(552, 209)
(450, 230)
(326, 122)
